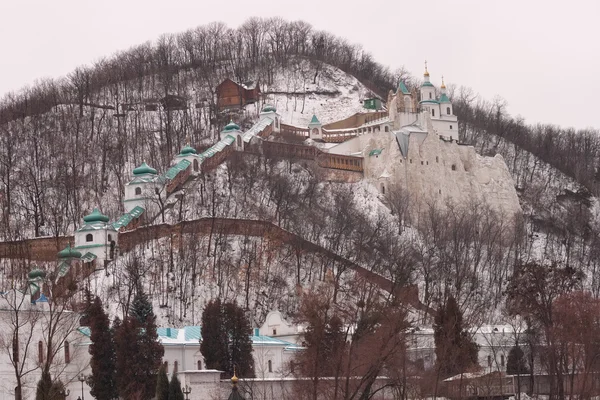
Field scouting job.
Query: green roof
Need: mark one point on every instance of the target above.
(219, 146)
(427, 84)
(68, 252)
(444, 98)
(187, 150)
(231, 126)
(375, 152)
(128, 217)
(402, 87)
(95, 216)
(269, 108)
(144, 169)
(430, 101)
(314, 120)
(177, 168)
(36, 273)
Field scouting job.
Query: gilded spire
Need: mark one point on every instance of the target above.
(426, 72)
(234, 378)
(443, 84)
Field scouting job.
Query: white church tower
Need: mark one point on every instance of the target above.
(142, 188)
(269, 111)
(233, 129)
(96, 236)
(315, 128)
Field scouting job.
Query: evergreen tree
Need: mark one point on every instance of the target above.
(102, 350)
(226, 339)
(162, 384)
(515, 363)
(175, 392)
(48, 390)
(455, 351)
(127, 349)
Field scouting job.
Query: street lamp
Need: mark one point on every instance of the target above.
(81, 379)
(64, 393)
(187, 391)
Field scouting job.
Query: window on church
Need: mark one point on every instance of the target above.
(437, 160)
(502, 360)
(40, 352)
(67, 353)
(432, 112)
(274, 332)
(138, 191)
(175, 365)
(89, 237)
(421, 162)
(453, 167)
(199, 364)
(270, 364)
(448, 110)
(429, 95)
(450, 126)
(387, 128)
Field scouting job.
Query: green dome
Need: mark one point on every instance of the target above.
(144, 169)
(95, 216)
(444, 98)
(37, 273)
(231, 126)
(269, 108)
(187, 150)
(68, 252)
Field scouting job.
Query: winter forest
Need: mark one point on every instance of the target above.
(69, 144)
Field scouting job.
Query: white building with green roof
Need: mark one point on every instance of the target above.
(96, 236)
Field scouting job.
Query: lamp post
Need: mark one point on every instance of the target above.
(81, 379)
(187, 391)
(64, 393)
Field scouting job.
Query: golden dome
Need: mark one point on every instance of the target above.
(234, 378)
(443, 84)
(426, 74)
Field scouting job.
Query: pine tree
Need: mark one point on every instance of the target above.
(126, 349)
(515, 363)
(226, 339)
(162, 384)
(455, 351)
(48, 390)
(102, 351)
(175, 392)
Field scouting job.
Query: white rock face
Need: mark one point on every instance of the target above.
(435, 171)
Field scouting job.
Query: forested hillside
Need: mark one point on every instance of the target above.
(69, 144)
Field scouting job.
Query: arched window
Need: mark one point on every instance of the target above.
(382, 188)
(40, 352)
(453, 167)
(109, 238)
(67, 353)
(433, 112)
(315, 131)
(239, 142)
(199, 364)
(448, 110)
(489, 360)
(196, 165)
(175, 364)
(502, 360)
(437, 160)
(270, 366)
(89, 237)
(138, 191)
(430, 96)
(387, 128)
(450, 126)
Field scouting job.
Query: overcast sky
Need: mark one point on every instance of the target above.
(543, 57)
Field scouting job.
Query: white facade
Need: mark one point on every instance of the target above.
(71, 352)
(270, 112)
(315, 128)
(97, 236)
(141, 190)
(276, 326)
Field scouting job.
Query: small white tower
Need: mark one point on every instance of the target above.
(269, 111)
(447, 123)
(315, 128)
(97, 236)
(189, 153)
(233, 129)
(141, 189)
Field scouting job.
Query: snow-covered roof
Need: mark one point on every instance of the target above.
(126, 218)
(256, 129)
(177, 168)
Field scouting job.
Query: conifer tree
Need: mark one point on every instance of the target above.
(515, 363)
(175, 392)
(162, 384)
(226, 339)
(455, 351)
(48, 390)
(102, 350)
